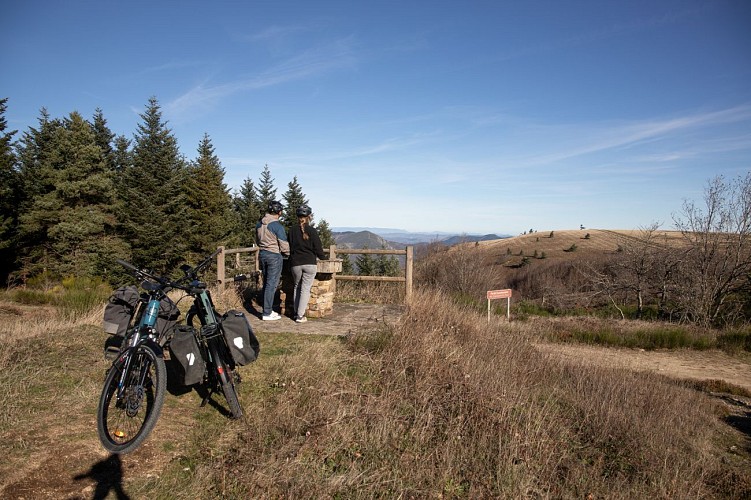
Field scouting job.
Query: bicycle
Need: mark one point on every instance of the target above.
(221, 367)
(134, 387)
(135, 384)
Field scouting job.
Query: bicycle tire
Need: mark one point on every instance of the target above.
(225, 376)
(123, 425)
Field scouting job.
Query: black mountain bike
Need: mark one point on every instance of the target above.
(221, 371)
(135, 384)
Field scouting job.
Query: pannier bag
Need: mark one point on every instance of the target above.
(242, 342)
(119, 310)
(184, 349)
(168, 316)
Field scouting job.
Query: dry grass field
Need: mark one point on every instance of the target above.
(437, 404)
(589, 243)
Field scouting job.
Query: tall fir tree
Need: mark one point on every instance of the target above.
(265, 191)
(208, 201)
(246, 213)
(104, 138)
(76, 215)
(9, 196)
(33, 153)
(122, 154)
(386, 265)
(324, 232)
(365, 265)
(293, 198)
(154, 214)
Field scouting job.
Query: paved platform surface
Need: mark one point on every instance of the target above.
(345, 319)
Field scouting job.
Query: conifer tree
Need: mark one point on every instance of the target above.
(365, 265)
(266, 191)
(324, 232)
(154, 215)
(123, 157)
(76, 214)
(347, 267)
(104, 138)
(33, 152)
(386, 265)
(246, 213)
(208, 200)
(9, 196)
(293, 199)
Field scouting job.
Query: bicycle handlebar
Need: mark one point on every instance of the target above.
(191, 274)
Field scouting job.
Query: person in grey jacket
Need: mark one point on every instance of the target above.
(272, 241)
(305, 247)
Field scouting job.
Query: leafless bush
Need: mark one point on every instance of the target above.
(458, 270)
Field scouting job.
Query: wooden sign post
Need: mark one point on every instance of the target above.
(500, 294)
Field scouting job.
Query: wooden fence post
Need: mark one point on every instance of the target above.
(408, 273)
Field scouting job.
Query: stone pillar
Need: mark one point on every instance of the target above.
(321, 293)
(322, 296)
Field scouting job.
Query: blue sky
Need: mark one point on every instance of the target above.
(458, 116)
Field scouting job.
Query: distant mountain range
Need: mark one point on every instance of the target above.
(395, 239)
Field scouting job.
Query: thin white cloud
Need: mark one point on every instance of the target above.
(312, 62)
(619, 136)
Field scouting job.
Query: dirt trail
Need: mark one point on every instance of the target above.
(678, 364)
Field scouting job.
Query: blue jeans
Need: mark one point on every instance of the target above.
(271, 267)
(303, 277)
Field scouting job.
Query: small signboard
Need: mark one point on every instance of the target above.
(500, 294)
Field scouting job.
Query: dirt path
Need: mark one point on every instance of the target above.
(679, 364)
(345, 319)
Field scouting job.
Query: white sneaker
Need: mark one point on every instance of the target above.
(301, 320)
(271, 317)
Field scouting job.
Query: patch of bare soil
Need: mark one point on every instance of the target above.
(677, 364)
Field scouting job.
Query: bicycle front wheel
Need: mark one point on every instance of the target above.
(125, 418)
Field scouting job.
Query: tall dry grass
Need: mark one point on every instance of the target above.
(444, 405)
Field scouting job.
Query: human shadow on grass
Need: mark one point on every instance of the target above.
(108, 476)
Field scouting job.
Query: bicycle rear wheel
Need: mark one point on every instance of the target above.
(226, 379)
(124, 422)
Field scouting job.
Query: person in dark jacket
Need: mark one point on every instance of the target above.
(272, 241)
(305, 247)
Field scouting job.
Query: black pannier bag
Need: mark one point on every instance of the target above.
(119, 310)
(168, 316)
(190, 365)
(242, 342)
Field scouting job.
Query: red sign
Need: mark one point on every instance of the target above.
(499, 294)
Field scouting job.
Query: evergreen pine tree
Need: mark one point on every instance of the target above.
(33, 152)
(123, 157)
(76, 214)
(386, 265)
(293, 198)
(154, 205)
(104, 138)
(9, 196)
(347, 267)
(266, 191)
(324, 232)
(208, 201)
(246, 213)
(365, 265)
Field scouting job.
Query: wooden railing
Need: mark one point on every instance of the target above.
(408, 253)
